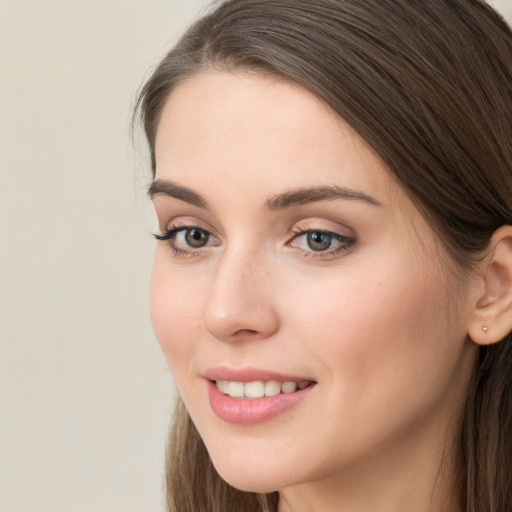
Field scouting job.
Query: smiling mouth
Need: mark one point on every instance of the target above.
(260, 389)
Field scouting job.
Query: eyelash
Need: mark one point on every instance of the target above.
(347, 243)
(170, 234)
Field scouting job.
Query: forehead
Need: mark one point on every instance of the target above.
(261, 133)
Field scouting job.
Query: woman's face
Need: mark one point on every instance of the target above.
(292, 255)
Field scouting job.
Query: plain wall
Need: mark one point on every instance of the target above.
(85, 395)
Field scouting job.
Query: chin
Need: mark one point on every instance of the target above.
(252, 476)
(250, 483)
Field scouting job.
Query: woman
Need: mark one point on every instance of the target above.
(332, 286)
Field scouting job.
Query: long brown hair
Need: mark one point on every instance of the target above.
(428, 85)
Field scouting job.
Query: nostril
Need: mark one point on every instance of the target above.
(245, 332)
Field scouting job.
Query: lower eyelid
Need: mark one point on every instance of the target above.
(337, 251)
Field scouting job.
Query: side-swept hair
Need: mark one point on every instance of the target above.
(428, 85)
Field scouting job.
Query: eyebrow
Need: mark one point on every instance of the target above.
(282, 201)
(312, 195)
(171, 189)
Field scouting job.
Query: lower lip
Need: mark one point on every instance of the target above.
(255, 410)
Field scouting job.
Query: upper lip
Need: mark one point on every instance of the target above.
(250, 375)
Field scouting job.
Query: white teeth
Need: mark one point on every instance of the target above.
(255, 389)
(272, 388)
(288, 387)
(223, 386)
(259, 389)
(236, 389)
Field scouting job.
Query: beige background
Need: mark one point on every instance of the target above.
(85, 396)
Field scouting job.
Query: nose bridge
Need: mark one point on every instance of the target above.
(240, 300)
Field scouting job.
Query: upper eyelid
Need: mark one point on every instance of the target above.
(297, 228)
(178, 229)
(184, 223)
(318, 225)
(169, 236)
(337, 236)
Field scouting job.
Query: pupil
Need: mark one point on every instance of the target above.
(196, 238)
(319, 241)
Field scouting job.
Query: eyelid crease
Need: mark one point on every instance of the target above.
(310, 225)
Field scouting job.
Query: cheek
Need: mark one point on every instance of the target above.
(379, 334)
(175, 314)
(351, 306)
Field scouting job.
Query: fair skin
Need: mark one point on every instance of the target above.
(363, 309)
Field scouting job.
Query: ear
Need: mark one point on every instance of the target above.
(491, 319)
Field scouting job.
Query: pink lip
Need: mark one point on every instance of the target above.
(251, 411)
(250, 375)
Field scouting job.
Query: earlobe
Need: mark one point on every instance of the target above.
(491, 319)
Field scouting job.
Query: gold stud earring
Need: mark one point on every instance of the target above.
(485, 329)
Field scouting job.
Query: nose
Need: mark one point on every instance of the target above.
(241, 299)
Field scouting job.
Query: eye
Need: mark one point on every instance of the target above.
(318, 241)
(194, 237)
(321, 244)
(186, 240)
